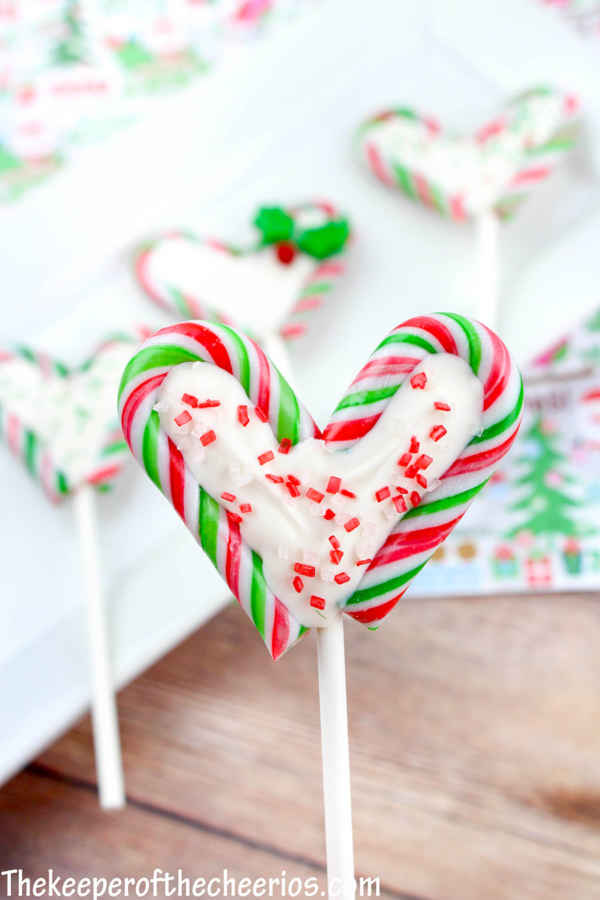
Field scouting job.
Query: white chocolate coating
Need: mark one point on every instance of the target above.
(233, 285)
(285, 530)
(72, 416)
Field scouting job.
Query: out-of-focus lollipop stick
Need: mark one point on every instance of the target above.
(488, 236)
(336, 760)
(107, 746)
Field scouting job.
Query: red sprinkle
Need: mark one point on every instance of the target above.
(401, 490)
(424, 461)
(335, 556)
(414, 445)
(329, 515)
(315, 496)
(243, 417)
(414, 498)
(227, 496)
(209, 404)
(276, 479)
(285, 446)
(351, 524)
(334, 542)
(266, 457)
(260, 414)
(411, 471)
(333, 485)
(346, 493)
(298, 584)
(419, 381)
(382, 494)
(363, 562)
(245, 507)
(420, 479)
(293, 480)
(293, 490)
(404, 459)
(303, 569)
(208, 437)
(233, 517)
(190, 400)
(341, 578)
(183, 418)
(317, 602)
(437, 432)
(400, 504)
(444, 407)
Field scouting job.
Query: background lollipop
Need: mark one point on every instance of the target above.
(484, 176)
(269, 287)
(61, 423)
(299, 530)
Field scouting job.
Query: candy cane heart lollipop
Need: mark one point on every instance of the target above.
(281, 276)
(462, 177)
(299, 522)
(61, 422)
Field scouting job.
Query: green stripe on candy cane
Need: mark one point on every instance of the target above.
(473, 340)
(159, 356)
(242, 356)
(208, 525)
(363, 398)
(405, 180)
(384, 587)
(150, 447)
(288, 420)
(503, 424)
(445, 503)
(399, 338)
(258, 594)
(30, 451)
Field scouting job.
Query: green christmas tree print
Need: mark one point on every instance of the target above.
(72, 48)
(547, 503)
(593, 324)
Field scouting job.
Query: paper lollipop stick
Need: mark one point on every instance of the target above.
(300, 531)
(484, 176)
(62, 424)
(270, 287)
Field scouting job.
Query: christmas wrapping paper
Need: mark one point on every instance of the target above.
(75, 71)
(537, 523)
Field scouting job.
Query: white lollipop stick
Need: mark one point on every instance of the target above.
(107, 746)
(488, 234)
(336, 760)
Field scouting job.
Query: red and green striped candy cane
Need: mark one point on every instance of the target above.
(32, 448)
(328, 267)
(412, 541)
(215, 530)
(541, 148)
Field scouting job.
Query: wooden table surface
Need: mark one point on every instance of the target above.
(475, 750)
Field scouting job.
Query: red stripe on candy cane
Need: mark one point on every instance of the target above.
(264, 381)
(177, 479)
(422, 186)
(407, 543)
(204, 336)
(387, 365)
(376, 162)
(233, 559)
(528, 175)
(481, 460)
(101, 475)
(134, 400)
(280, 630)
(327, 268)
(499, 371)
(436, 329)
(376, 612)
(350, 430)
(457, 208)
(13, 433)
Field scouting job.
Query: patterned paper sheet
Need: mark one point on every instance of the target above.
(583, 15)
(73, 71)
(537, 524)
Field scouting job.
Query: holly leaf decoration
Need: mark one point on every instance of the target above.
(325, 241)
(274, 224)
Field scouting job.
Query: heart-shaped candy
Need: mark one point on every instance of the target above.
(295, 526)
(302, 523)
(462, 177)
(62, 422)
(276, 281)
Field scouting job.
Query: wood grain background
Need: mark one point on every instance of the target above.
(475, 750)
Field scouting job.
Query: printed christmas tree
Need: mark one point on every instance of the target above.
(72, 48)
(547, 502)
